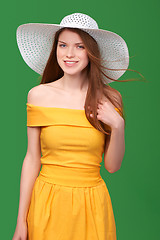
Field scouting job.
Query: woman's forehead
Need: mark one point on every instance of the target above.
(70, 36)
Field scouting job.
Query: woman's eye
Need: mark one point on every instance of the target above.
(61, 45)
(81, 46)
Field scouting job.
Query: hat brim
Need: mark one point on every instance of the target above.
(35, 42)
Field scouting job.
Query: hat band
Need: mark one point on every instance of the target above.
(76, 25)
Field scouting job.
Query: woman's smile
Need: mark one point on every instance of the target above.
(70, 63)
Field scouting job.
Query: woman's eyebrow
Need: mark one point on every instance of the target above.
(75, 43)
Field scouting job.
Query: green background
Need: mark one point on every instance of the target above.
(134, 189)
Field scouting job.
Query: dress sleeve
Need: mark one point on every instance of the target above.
(33, 115)
(36, 116)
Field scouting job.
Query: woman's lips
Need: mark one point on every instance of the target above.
(70, 63)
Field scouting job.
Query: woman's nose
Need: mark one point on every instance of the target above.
(70, 52)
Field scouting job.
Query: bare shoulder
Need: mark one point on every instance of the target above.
(36, 94)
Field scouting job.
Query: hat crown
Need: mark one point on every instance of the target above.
(79, 20)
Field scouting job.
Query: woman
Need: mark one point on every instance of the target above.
(73, 117)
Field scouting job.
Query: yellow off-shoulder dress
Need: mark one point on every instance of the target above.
(70, 200)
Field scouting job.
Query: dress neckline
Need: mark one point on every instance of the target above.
(29, 104)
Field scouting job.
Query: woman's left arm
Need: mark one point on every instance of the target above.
(115, 143)
(115, 147)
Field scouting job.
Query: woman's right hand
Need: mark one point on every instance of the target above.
(20, 231)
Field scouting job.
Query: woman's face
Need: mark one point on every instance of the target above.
(71, 55)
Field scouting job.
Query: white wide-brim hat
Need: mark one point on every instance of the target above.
(35, 42)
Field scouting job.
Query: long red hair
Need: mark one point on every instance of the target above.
(97, 86)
